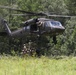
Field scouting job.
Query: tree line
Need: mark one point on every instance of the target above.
(66, 44)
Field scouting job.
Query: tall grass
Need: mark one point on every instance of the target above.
(37, 66)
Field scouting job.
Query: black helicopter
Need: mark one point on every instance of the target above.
(35, 26)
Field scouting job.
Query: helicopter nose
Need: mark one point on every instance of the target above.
(58, 30)
(61, 30)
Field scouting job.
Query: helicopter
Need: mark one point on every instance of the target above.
(38, 27)
(35, 26)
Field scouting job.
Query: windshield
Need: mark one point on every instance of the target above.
(55, 23)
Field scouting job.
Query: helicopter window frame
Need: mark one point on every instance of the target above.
(46, 24)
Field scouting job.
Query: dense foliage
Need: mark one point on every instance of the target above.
(66, 43)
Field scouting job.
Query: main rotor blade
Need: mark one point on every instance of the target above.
(23, 11)
(19, 14)
(26, 13)
(60, 16)
(7, 7)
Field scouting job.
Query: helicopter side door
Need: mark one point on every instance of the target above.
(33, 28)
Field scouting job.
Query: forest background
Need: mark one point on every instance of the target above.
(66, 44)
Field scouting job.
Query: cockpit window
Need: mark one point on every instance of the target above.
(55, 23)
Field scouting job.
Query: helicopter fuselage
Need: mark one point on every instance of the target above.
(37, 27)
(49, 28)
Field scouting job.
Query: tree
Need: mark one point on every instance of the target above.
(71, 6)
(66, 42)
(69, 38)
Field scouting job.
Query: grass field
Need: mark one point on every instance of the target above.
(37, 66)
